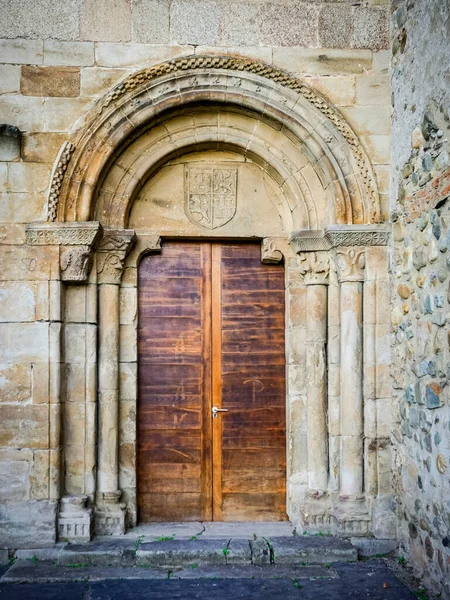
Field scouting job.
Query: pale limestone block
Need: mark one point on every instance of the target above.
(128, 306)
(62, 113)
(334, 403)
(370, 417)
(128, 381)
(338, 90)
(130, 277)
(97, 81)
(74, 423)
(18, 302)
(24, 426)
(91, 381)
(297, 307)
(385, 469)
(384, 309)
(28, 177)
(55, 475)
(21, 52)
(24, 112)
(127, 464)
(259, 53)
(9, 79)
(383, 381)
(15, 382)
(384, 417)
(351, 464)
(334, 313)
(383, 344)
(127, 420)
(333, 380)
(373, 90)
(369, 344)
(334, 348)
(369, 302)
(49, 292)
(55, 411)
(11, 234)
(369, 383)
(105, 20)
(55, 381)
(41, 147)
(376, 264)
(370, 466)
(3, 178)
(40, 380)
(14, 479)
(128, 343)
(383, 176)
(322, 62)
(39, 479)
(151, 21)
(23, 263)
(366, 121)
(296, 383)
(380, 61)
(75, 304)
(134, 55)
(91, 301)
(75, 342)
(334, 450)
(22, 208)
(295, 337)
(378, 147)
(26, 343)
(42, 301)
(75, 382)
(68, 53)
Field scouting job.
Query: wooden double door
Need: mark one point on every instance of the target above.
(211, 336)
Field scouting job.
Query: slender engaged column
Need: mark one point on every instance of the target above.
(110, 514)
(350, 264)
(315, 270)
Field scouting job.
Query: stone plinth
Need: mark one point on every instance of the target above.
(75, 521)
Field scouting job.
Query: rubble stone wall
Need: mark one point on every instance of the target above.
(420, 80)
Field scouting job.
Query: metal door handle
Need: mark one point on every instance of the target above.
(216, 410)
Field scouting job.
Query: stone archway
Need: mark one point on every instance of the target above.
(330, 212)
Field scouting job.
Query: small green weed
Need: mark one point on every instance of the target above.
(225, 552)
(169, 574)
(165, 538)
(193, 566)
(401, 560)
(138, 543)
(295, 583)
(305, 533)
(421, 595)
(327, 565)
(77, 566)
(34, 559)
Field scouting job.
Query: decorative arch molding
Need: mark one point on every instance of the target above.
(245, 86)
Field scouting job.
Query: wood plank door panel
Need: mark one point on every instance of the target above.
(211, 332)
(174, 451)
(253, 469)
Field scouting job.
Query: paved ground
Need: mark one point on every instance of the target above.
(372, 580)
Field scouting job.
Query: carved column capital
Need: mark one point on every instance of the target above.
(350, 263)
(112, 251)
(315, 267)
(77, 241)
(270, 254)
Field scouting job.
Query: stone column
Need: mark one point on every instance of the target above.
(350, 264)
(76, 242)
(109, 513)
(315, 269)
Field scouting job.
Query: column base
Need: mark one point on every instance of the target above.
(75, 522)
(109, 514)
(352, 515)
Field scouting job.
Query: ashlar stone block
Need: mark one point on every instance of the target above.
(106, 20)
(151, 21)
(50, 81)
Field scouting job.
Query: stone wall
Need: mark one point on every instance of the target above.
(56, 59)
(421, 294)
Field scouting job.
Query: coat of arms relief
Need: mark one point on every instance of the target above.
(210, 194)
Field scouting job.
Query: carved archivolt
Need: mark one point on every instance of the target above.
(56, 179)
(141, 100)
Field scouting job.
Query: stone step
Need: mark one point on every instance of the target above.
(172, 553)
(26, 571)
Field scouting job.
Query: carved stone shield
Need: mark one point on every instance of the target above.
(210, 195)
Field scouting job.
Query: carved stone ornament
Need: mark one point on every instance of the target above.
(350, 263)
(340, 235)
(56, 179)
(75, 264)
(314, 268)
(77, 241)
(112, 251)
(210, 195)
(269, 252)
(84, 233)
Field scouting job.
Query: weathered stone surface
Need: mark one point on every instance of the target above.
(370, 28)
(9, 79)
(41, 147)
(102, 20)
(151, 21)
(23, 524)
(96, 80)
(42, 19)
(131, 55)
(19, 51)
(330, 62)
(25, 113)
(240, 25)
(335, 26)
(68, 53)
(289, 25)
(195, 22)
